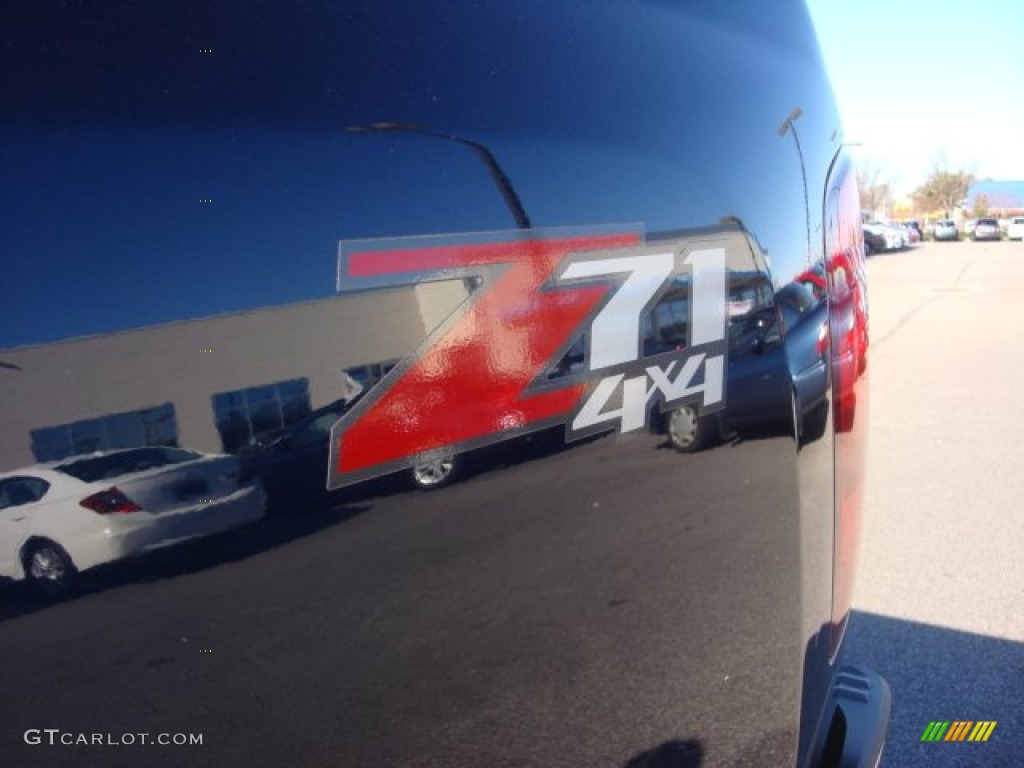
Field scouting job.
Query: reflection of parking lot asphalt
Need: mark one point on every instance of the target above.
(332, 635)
(943, 536)
(17, 599)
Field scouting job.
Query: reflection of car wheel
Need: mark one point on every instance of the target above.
(49, 568)
(687, 431)
(434, 474)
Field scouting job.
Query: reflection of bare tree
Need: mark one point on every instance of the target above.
(875, 193)
(944, 189)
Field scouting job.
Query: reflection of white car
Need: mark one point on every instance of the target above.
(946, 230)
(61, 518)
(1015, 229)
(986, 229)
(894, 238)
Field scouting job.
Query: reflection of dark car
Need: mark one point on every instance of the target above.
(805, 316)
(759, 385)
(874, 241)
(292, 463)
(774, 370)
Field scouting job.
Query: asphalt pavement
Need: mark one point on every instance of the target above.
(941, 582)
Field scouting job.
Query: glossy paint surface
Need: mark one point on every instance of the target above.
(482, 221)
(472, 381)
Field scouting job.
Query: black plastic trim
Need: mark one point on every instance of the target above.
(860, 703)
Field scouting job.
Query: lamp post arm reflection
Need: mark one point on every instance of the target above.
(787, 125)
(501, 180)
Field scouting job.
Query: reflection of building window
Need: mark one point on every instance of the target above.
(368, 375)
(245, 413)
(149, 426)
(746, 296)
(666, 327)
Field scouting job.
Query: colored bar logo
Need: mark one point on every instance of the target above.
(959, 730)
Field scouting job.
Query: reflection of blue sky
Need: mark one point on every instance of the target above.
(114, 233)
(104, 227)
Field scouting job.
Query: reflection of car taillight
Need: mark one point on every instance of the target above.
(109, 502)
(823, 340)
(849, 390)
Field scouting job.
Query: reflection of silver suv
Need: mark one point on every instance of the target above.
(986, 229)
(946, 230)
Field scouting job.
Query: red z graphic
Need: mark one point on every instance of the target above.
(467, 384)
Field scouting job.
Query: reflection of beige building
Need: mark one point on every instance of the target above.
(208, 383)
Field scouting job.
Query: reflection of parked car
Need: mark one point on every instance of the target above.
(913, 232)
(900, 232)
(1015, 229)
(784, 363)
(759, 387)
(890, 238)
(61, 518)
(805, 317)
(874, 241)
(946, 230)
(773, 369)
(293, 463)
(986, 229)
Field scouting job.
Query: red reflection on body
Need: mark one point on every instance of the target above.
(470, 382)
(849, 330)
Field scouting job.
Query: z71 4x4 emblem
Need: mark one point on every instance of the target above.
(491, 371)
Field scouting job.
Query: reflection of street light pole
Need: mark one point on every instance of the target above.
(787, 124)
(482, 152)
